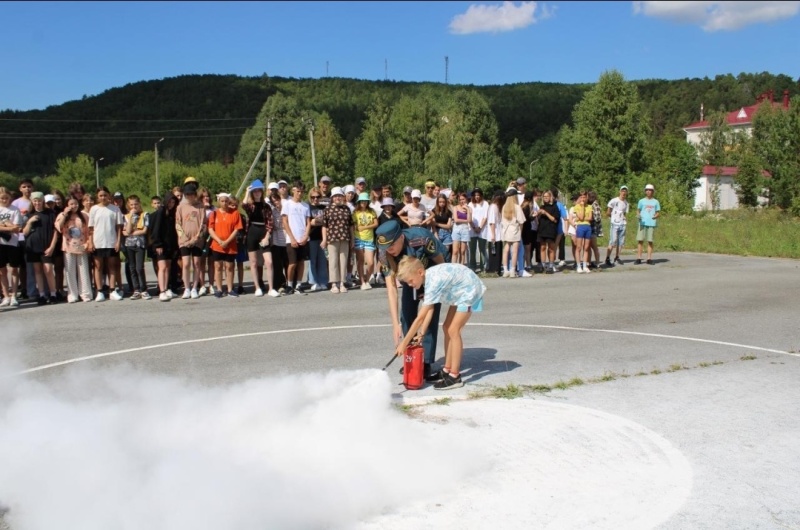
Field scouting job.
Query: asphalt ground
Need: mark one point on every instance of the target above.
(700, 349)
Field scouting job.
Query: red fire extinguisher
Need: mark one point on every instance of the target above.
(413, 369)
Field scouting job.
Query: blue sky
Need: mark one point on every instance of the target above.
(52, 52)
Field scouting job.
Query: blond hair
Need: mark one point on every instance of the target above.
(510, 208)
(407, 267)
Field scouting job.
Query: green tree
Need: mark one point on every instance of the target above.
(677, 163)
(333, 157)
(717, 141)
(608, 137)
(372, 147)
(411, 124)
(81, 169)
(776, 137)
(518, 164)
(749, 179)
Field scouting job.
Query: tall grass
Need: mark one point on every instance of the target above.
(767, 233)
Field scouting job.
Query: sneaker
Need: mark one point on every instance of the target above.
(170, 293)
(194, 294)
(637, 262)
(23, 295)
(211, 289)
(608, 262)
(164, 297)
(136, 295)
(592, 265)
(550, 270)
(240, 290)
(650, 262)
(365, 286)
(334, 289)
(298, 290)
(285, 290)
(526, 274)
(259, 292)
(187, 293)
(52, 300)
(13, 302)
(587, 268)
(5, 302)
(436, 376)
(562, 263)
(342, 289)
(100, 297)
(146, 296)
(618, 261)
(203, 291)
(217, 294)
(372, 280)
(380, 280)
(273, 293)
(116, 295)
(234, 294)
(507, 274)
(449, 382)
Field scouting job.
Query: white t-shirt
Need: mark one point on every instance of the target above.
(495, 222)
(104, 220)
(298, 213)
(376, 207)
(479, 213)
(10, 216)
(428, 202)
(619, 209)
(25, 206)
(534, 218)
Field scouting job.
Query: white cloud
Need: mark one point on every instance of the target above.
(718, 16)
(484, 18)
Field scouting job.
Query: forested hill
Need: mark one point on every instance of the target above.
(202, 117)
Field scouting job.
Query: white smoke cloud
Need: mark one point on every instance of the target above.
(483, 18)
(718, 16)
(125, 449)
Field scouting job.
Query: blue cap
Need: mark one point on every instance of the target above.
(257, 185)
(387, 234)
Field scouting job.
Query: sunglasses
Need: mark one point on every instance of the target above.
(315, 196)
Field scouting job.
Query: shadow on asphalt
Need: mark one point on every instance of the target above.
(478, 363)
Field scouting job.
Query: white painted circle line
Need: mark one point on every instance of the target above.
(328, 328)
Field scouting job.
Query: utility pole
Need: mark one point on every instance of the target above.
(386, 69)
(97, 171)
(158, 188)
(326, 68)
(269, 147)
(446, 68)
(310, 123)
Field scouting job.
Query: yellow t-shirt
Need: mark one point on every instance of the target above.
(587, 215)
(364, 218)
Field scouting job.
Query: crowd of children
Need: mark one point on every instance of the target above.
(55, 247)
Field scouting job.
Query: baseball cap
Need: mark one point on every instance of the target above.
(521, 181)
(364, 196)
(272, 186)
(49, 198)
(511, 191)
(623, 187)
(325, 178)
(256, 185)
(408, 189)
(650, 187)
(349, 189)
(387, 201)
(430, 183)
(415, 194)
(225, 195)
(37, 195)
(361, 180)
(283, 182)
(118, 195)
(337, 191)
(387, 234)
(189, 179)
(477, 190)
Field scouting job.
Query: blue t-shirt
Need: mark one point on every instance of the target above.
(452, 284)
(647, 209)
(564, 215)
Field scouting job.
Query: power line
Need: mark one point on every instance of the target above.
(116, 137)
(122, 132)
(125, 121)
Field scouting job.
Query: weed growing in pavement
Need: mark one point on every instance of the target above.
(442, 401)
(540, 389)
(748, 357)
(676, 368)
(511, 391)
(655, 371)
(704, 365)
(717, 363)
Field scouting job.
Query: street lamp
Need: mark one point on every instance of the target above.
(97, 171)
(530, 170)
(155, 148)
(310, 123)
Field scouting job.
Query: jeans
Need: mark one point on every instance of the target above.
(134, 269)
(480, 243)
(317, 264)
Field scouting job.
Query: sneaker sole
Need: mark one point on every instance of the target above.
(450, 387)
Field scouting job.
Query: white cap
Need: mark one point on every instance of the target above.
(361, 180)
(649, 187)
(416, 194)
(349, 189)
(273, 186)
(221, 195)
(337, 191)
(49, 198)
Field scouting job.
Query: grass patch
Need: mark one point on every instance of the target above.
(537, 389)
(640, 374)
(655, 371)
(748, 358)
(675, 368)
(704, 365)
(717, 363)
(576, 381)
(404, 408)
(767, 233)
(561, 385)
(510, 391)
(442, 401)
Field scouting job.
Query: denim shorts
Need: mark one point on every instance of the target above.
(617, 236)
(360, 244)
(583, 231)
(461, 232)
(445, 236)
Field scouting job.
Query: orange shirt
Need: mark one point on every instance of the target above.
(225, 223)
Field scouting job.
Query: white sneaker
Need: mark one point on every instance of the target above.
(526, 274)
(5, 302)
(100, 297)
(202, 291)
(562, 263)
(170, 294)
(194, 294)
(164, 297)
(146, 295)
(507, 274)
(259, 292)
(187, 293)
(13, 302)
(115, 295)
(365, 286)
(273, 293)
(211, 290)
(586, 268)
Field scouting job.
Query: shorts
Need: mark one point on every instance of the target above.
(191, 251)
(37, 257)
(583, 231)
(241, 252)
(255, 234)
(445, 236)
(460, 232)
(166, 255)
(296, 254)
(360, 244)
(220, 256)
(477, 307)
(645, 233)
(544, 238)
(617, 236)
(9, 257)
(105, 253)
